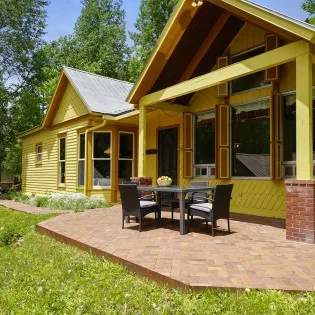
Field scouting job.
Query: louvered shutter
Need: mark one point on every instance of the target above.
(271, 42)
(223, 88)
(188, 145)
(222, 165)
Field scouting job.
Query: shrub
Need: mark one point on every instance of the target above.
(63, 201)
(9, 237)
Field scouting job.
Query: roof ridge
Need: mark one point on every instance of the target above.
(97, 75)
(293, 19)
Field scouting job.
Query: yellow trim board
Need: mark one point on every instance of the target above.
(258, 63)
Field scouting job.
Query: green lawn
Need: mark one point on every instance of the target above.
(46, 277)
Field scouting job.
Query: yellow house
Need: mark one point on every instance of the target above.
(227, 96)
(88, 140)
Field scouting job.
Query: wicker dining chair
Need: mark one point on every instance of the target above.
(133, 205)
(193, 197)
(218, 209)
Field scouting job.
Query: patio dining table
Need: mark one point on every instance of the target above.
(182, 191)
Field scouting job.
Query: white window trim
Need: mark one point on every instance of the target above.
(39, 154)
(99, 187)
(231, 139)
(133, 150)
(195, 165)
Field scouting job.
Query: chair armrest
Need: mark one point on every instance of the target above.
(152, 195)
(206, 197)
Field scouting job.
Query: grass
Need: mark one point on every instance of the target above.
(46, 277)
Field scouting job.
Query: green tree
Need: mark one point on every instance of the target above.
(22, 24)
(151, 21)
(100, 36)
(309, 6)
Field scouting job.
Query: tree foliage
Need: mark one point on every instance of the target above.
(100, 36)
(22, 24)
(151, 21)
(309, 6)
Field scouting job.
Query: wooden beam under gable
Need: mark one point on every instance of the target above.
(178, 22)
(205, 46)
(261, 62)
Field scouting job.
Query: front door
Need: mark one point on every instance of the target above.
(167, 153)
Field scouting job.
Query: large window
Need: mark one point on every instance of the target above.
(62, 161)
(289, 134)
(251, 81)
(204, 145)
(126, 157)
(250, 136)
(81, 159)
(102, 159)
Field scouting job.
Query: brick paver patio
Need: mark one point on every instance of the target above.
(252, 256)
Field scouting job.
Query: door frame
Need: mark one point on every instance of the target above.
(177, 126)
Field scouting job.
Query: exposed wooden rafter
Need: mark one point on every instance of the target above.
(261, 62)
(205, 46)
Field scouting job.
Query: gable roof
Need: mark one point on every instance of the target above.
(100, 94)
(188, 22)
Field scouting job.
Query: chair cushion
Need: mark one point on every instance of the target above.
(146, 204)
(206, 207)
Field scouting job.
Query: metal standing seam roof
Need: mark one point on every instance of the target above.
(101, 94)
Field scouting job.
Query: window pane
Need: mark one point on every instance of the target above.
(82, 147)
(39, 148)
(205, 138)
(81, 173)
(62, 175)
(251, 81)
(62, 149)
(125, 170)
(126, 146)
(101, 173)
(251, 140)
(102, 147)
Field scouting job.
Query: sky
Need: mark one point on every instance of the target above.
(62, 14)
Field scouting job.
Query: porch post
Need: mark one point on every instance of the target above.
(300, 192)
(142, 140)
(304, 117)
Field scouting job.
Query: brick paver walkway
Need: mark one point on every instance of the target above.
(22, 207)
(252, 256)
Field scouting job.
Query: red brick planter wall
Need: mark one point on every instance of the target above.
(300, 210)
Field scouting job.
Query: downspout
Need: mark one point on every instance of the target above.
(87, 131)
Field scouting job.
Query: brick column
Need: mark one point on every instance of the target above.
(300, 210)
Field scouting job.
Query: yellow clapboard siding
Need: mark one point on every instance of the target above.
(71, 106)
(250, 36)
(42, 178)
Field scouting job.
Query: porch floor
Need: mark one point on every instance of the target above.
(255, 255)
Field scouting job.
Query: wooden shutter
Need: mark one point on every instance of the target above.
(222, 163)
(188, 145)
(271, 42)
(276, 135)
(223, 88)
